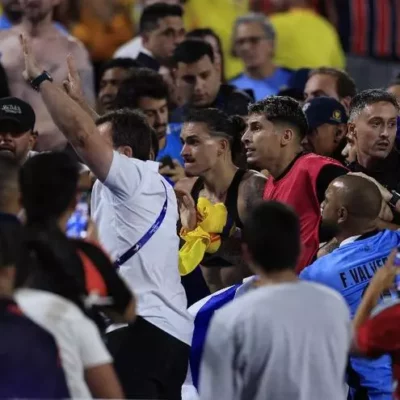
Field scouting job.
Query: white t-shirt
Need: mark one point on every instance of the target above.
(130, 49)
(77, 337)
(124, 208)
(284, 341)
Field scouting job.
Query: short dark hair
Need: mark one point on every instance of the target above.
(151, 14)
(345, 85)
(124, 63)
(368, 97)
(143, 82)
(129, 128)
(220, 124)
(48, 183)
(272, 233)
(9, 168)
(192, 50)
(282, 109)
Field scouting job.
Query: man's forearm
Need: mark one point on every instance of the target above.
(381, 224)
(70, 118)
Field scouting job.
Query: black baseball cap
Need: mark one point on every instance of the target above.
(324, 110)
(18, 111)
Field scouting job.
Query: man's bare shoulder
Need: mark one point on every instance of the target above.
(75, 45)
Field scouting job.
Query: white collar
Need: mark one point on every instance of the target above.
(349, 240)
(153, 165)
(146, 51)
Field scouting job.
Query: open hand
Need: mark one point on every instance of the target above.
(174, 174)
(73, 85)
(187, 209)
(32, 69)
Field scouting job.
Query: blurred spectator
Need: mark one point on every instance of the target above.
(305, 39)
(373, 124)
(112, 75)
(394, 88)
(103, 26)
(330, 82)
(276, 128)
(254, 44)
(52, 276)
(240, 360)
(369, 32)
(213, 39)
(17, 129)
(12, 15)
(136, 44)
(352, 206)
(146, 90)
(198, 79)
(161, 29)
(220, 16)
(327, 127)
(29, 356)
(51, 48)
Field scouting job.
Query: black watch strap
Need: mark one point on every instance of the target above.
(36, 82)
(395, 198)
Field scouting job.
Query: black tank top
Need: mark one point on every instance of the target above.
(231, 204)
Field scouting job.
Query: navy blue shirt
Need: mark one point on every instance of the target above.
(30, 367)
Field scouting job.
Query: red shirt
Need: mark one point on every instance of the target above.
(380, 335)
(298, 188)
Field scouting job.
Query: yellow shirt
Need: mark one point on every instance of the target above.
(220, 16)
(306, 40)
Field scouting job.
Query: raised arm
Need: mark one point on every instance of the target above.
(77, 126)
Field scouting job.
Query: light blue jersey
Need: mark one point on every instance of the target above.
(349, 270)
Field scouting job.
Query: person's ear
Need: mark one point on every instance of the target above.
(351, 132)
(287, 136)
(152, 155)
(33, 139)
(342, 215)
(218, 67)
(145, 38)
(125, 150)
(223, 146)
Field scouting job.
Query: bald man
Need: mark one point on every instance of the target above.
(352, 205)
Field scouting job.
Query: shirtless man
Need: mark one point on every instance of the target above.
(51, 48)
(210, 141)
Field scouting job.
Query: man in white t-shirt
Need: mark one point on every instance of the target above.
(136, 213)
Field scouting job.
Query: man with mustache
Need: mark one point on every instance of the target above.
(17, 134)
(373, 125)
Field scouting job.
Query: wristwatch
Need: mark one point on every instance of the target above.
(36, 82)
(394, 199)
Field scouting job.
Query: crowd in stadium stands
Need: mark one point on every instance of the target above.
(200, 199)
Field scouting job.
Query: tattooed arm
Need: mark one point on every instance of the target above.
(250, 193)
